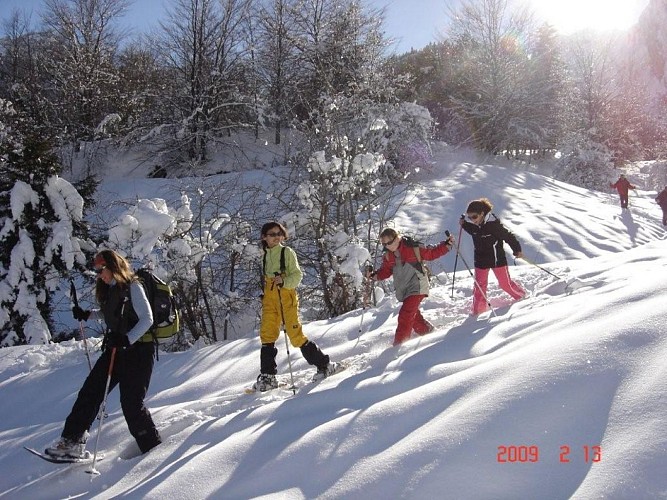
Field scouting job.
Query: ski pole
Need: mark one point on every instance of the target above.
(369, 269)
(541, 268)
(102, 410)
(75, 299)
(456, 260)
(282, 315)
(474, 279)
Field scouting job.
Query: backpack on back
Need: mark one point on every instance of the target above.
(165, 313)
(415, 245)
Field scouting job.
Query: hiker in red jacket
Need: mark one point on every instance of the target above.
(622, 185)
(661, 199)
(404, 260)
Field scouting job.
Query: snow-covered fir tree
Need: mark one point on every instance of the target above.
(40, 214)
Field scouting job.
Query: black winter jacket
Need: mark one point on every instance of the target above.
(488, 239)
(119, 316)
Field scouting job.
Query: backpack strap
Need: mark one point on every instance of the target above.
(425, 269)
(418, 254)
(415, 245)
(146, 281)
(283, 267)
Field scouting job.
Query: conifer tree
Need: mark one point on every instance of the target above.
(39, 214)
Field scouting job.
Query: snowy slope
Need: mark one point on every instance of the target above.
(543, 384)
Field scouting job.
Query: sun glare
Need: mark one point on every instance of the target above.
(568, 16)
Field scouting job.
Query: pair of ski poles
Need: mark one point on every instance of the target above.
(476, 283)
(82, 332)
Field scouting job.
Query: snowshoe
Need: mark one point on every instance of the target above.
(327, 371)
(265, 382)
(68, 448)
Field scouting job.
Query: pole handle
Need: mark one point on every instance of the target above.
(72, 293)
(113, 357)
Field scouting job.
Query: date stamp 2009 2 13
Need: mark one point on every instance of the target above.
(531, 454)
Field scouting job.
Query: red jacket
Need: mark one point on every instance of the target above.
(409, 276)
(622, 185)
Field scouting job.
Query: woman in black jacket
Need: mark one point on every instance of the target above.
(488, 236)
(126, 311)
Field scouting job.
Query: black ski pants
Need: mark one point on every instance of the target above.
(132, 370)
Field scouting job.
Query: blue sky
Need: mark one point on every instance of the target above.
(412, 23)
(415, 23)
(576, 366)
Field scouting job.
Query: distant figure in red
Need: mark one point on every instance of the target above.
(622, 185)
(661, 199)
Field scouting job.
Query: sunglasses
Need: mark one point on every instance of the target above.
(98, 270)
(274, 234)
(474, 216)
(389, 242)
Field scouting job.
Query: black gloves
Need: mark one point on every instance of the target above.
(79, 314)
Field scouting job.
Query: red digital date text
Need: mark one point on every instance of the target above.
(531, 454)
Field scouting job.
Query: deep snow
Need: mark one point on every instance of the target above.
(545, 384)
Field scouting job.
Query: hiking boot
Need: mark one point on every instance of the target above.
(68, 448)
(265, 382)
(427, 327)
(327, 371)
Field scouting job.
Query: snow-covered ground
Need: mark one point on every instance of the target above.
(560, 395)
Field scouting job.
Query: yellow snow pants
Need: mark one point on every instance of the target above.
(272, 317)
